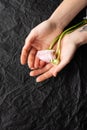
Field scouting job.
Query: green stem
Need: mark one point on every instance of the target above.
(54, 42)
(59, 38)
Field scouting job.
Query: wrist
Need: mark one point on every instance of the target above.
(57, 25)
(64, 14)
(82, 39)
(79, 37)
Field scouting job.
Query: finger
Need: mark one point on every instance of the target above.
(36, 63)
(44, 76)
(58, 68)
(24, 55)
(28, 41)
(41, 70)
(42, 64)
(31, 58)
(51, 72)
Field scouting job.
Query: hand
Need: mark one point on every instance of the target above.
(38, 39)
(68, 48)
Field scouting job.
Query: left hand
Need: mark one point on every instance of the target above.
(68, 48)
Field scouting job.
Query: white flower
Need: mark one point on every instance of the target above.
(46, 55)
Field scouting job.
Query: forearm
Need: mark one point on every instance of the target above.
(67, 10)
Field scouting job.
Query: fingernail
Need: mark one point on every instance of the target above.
(54, 74)
(30, 74)
(32, 68)
(37, 80)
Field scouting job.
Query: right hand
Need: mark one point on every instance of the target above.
(39, 38)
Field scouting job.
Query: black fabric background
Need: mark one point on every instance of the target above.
(58, 103)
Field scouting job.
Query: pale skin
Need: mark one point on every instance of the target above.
(42, 35)
(69, 45)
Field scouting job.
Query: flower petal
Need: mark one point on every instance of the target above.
(46, 55)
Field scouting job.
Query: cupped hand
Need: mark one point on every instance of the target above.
(68, 48)
(38, 39)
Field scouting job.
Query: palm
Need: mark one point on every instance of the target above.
(68, 49)
(39, 39)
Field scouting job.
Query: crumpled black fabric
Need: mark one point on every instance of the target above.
(56, 104)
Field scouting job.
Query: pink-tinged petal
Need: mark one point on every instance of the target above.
(46, 55)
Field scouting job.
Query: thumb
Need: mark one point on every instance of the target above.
(57, 68)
